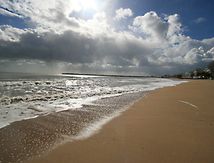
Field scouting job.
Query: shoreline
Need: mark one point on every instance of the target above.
(167, 130)
(62, 95)
(31, 138)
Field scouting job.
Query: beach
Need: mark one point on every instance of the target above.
(113, 81)
(173, 124)
(40, 113)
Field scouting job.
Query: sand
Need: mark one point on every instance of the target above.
(169, 125)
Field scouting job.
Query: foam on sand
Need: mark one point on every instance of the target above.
(188, 103)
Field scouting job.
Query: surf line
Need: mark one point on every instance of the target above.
(188, 103)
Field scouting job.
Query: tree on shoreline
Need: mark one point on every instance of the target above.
(211, 68)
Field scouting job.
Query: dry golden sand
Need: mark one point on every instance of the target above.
(162, 127)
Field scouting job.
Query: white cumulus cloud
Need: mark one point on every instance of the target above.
(123, 13)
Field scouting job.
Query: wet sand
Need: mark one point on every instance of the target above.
(174, 124)
(23, 140)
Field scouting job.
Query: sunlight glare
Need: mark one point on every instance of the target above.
(88, 4)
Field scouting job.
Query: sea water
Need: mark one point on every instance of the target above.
(25, 96)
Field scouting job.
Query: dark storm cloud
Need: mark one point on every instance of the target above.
(69, 47)
(107, 53)
(74, 48)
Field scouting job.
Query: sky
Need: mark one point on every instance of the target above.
(135, 37)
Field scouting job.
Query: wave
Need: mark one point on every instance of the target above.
(31, 98)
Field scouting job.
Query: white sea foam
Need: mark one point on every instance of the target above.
(94, 127)
(25, 99)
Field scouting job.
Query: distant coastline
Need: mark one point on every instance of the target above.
(109, 75)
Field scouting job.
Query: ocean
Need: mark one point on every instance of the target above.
(51, 109)
(25, 96)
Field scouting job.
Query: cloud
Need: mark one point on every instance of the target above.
(200, 20)
(151, 25)
(46, 15)
(211, 52)
(174, 25)
(9, 13)
(151, 44)
(123, 13)
(10, 34)
(116, 52)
